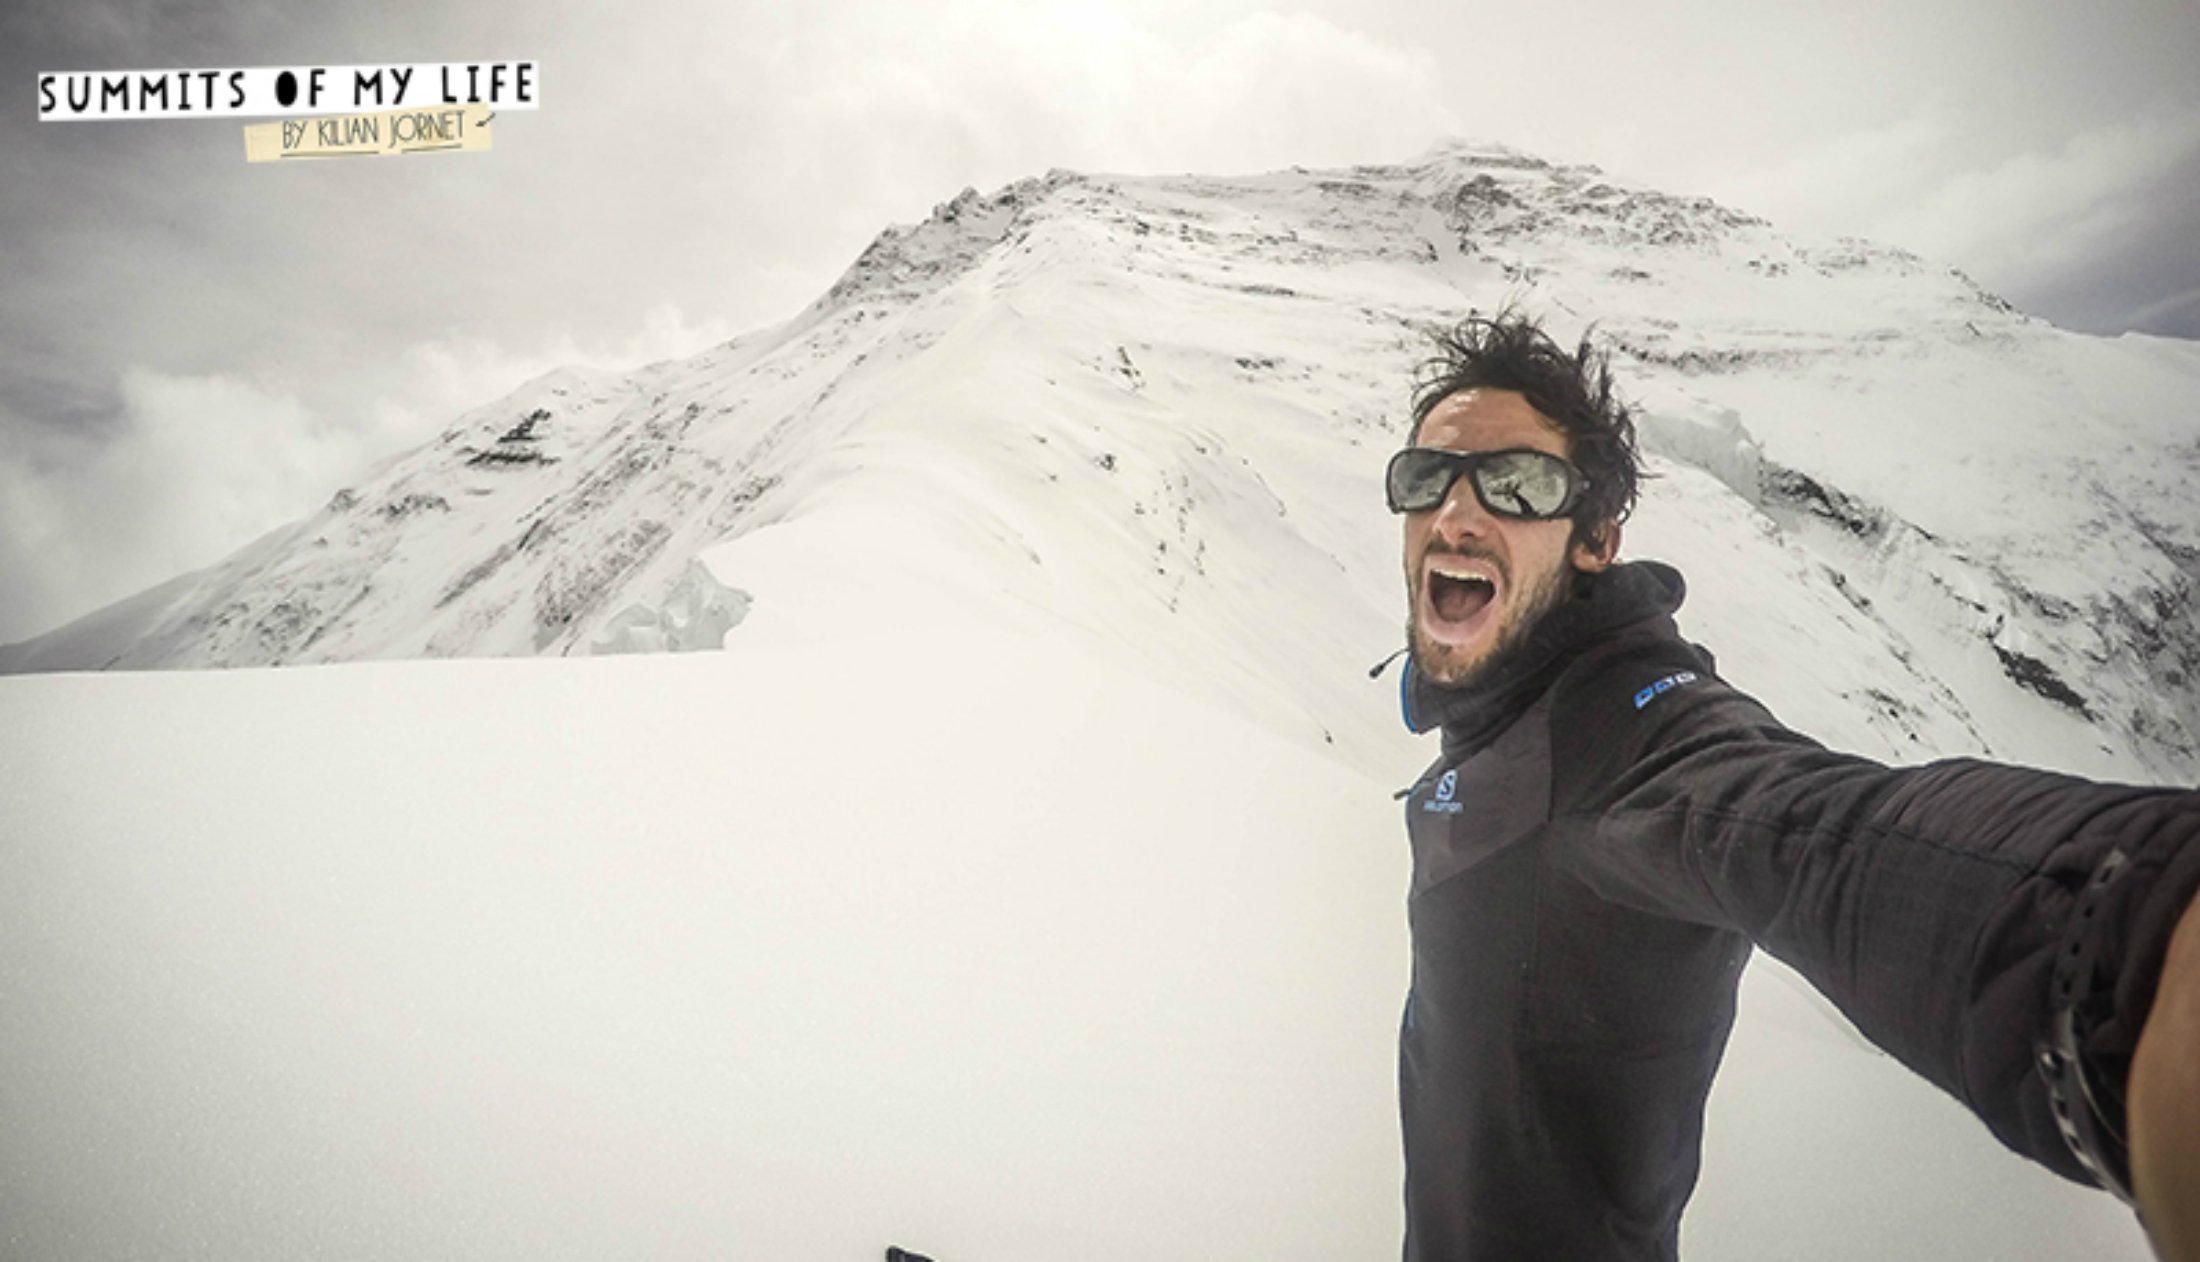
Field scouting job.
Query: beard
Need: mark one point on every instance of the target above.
(1453, 667)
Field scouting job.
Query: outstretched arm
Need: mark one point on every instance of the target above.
(2000, 930)
(2164, 1102)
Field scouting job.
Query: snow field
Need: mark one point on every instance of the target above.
(943, 934)
(754, 955)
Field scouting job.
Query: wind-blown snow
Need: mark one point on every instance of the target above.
(1022, 878)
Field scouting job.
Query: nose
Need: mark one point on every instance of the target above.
(1461, 515)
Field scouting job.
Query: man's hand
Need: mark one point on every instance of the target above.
(2164, 1102)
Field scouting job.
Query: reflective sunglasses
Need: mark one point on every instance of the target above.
(1518, 482)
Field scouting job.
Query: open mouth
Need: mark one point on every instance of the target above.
(1459, 598)
(1456, 599)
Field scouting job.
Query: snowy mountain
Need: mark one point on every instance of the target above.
(1022, 880)
(1150, 414)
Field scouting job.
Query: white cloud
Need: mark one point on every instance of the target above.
(1838, 187)
(2022, 219)
(200, 465)
(2091, 226)
(997, 92)
(1275, 90)
(2038, 213)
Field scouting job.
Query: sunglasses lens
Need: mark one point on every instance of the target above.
(1525, 484)
(1420, 477)
(1522, 484)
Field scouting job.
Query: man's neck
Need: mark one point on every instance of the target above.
(1597, 607)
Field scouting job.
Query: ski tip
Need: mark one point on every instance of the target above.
(895, 1253)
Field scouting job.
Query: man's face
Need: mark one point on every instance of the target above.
(1479, 583)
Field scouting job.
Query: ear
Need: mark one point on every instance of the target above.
(1596, 552)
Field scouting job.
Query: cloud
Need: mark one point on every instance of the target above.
(998, 92)
(2037, 214)
(427, 384)
(197, 465)
(1837, 187)
(2094, 225)
(1274, 90)
(2177, 315)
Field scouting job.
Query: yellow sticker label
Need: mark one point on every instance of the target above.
(448, 129)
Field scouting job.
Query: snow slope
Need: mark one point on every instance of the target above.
(995, 951)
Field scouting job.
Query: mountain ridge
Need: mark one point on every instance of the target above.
(1151, 412)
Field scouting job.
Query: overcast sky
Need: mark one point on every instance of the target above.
(194, 350)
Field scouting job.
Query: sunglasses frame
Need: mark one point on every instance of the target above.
(1469, 465)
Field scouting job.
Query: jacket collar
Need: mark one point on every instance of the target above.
(1637, 595)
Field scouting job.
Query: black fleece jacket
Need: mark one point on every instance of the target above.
(1611, 827)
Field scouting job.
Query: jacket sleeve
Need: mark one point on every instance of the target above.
(1932, 904)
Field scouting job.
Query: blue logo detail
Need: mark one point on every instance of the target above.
(1665, 685)
(1447, 790)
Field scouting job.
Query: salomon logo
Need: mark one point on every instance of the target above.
(1447, 788)
(1667, 684)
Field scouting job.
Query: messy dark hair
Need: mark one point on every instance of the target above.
(1510, 351)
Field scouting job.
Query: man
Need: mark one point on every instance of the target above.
(1610, 827)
